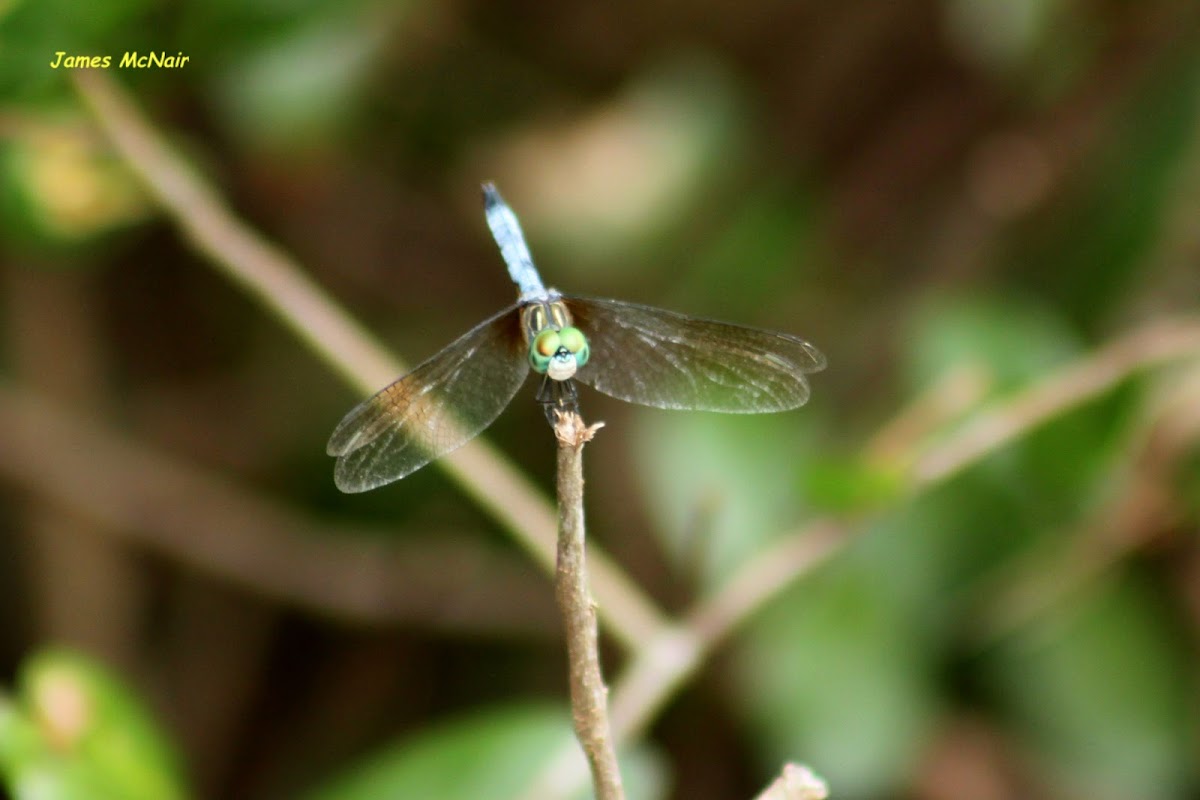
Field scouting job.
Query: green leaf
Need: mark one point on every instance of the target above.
(1053, 472)
(20, 742)
(492, 755)
(834, 675)
(850, 486)
(61, 190)
(1011, 339)
(76, 732)
(1122, 199)
(1099, 692)
(301, 87)
(761, 239)
(720, 486)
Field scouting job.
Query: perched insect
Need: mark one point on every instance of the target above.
(633, 352)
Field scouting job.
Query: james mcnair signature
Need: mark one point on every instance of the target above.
(129, 60)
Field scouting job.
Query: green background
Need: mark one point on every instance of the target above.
(945, 197)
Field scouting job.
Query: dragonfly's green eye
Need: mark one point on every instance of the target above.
(542, 349)
(576, 344)
(545, 344)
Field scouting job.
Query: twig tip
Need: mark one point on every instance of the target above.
(570, 429)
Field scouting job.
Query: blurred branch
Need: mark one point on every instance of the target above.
(1125, 521)
(795, 554)
(950, 397)
(1091, 376)
(667, 661)
(665, 656)
(281, 286)
(202, 520)
(85, 588)
(589, 695)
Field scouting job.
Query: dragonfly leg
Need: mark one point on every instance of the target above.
(557, 397)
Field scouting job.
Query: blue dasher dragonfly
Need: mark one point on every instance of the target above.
(632, 352)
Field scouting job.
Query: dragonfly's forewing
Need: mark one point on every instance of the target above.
(434, 409)
(659, 358)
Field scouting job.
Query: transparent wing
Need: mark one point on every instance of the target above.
(436, 408)
(659, 358)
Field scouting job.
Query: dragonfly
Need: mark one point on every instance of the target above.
(640, 354)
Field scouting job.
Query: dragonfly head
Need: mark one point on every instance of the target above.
(559, 352)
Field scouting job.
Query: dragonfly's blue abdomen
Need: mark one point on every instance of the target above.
(507, 232)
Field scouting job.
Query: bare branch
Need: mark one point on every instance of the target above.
(589, 695)
(796, 783)
(1089, 377)
(282, 287)
(767, 574)
(665, 663)
(137, 495)
(666, 655)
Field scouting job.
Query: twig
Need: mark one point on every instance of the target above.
(83, 589)
(631, 616)
(1121, 524)
(589, 695)
(1089, 377)
(797, 553)
(796, 783)
(137, 495)
(282, 287)
(665, 662)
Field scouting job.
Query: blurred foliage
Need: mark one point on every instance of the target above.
(1104, 691)
(720, 486)
(34, 32)
(288, 75)
(74, 732)
(1121, 198)
(503, 747)
(939, 194)
(887, 616)
(62, 190)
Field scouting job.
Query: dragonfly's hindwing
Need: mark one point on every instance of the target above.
(436, 408)
(663, 359)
